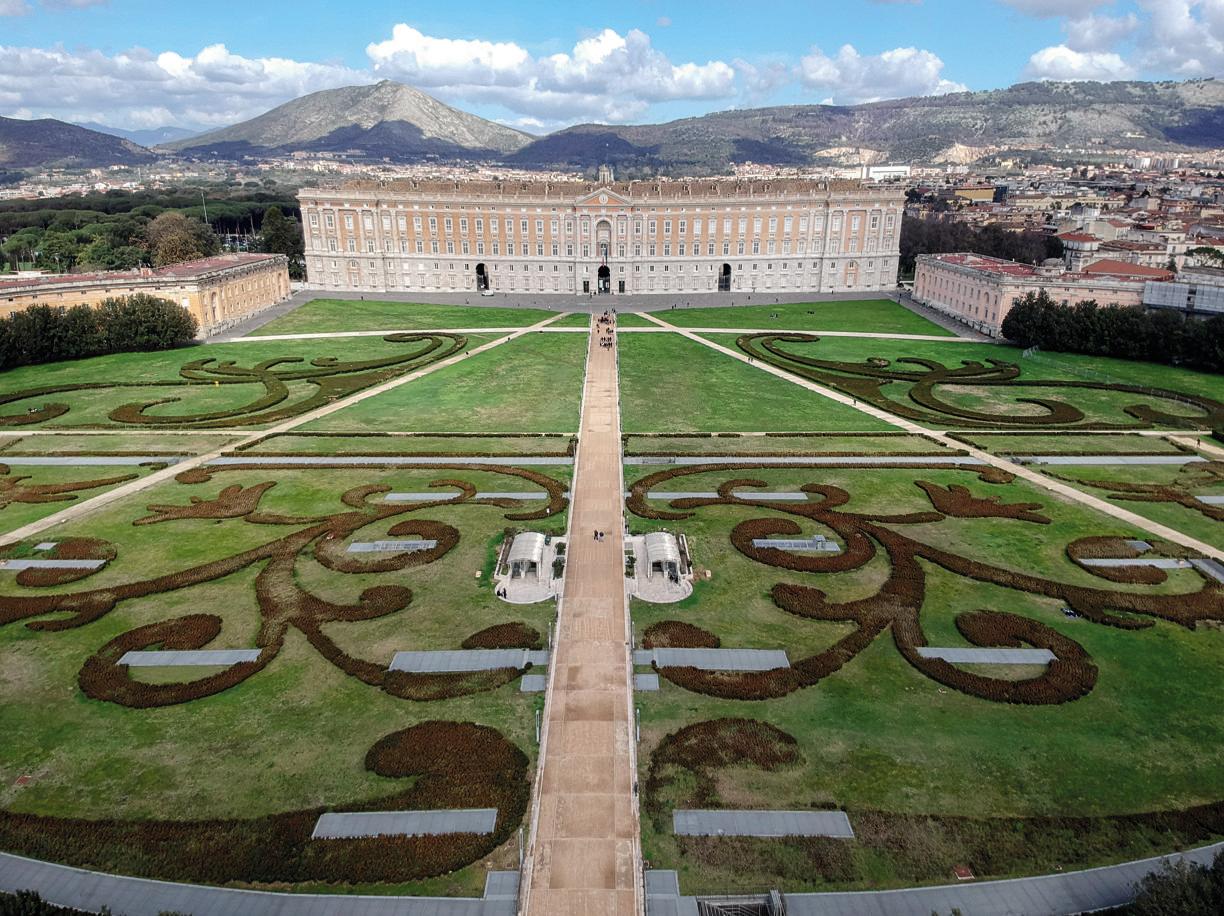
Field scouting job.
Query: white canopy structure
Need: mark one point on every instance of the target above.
(663, 554)
(526, 554)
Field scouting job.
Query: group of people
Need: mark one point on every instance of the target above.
(599, 535)
(503, 593)
(606, 326)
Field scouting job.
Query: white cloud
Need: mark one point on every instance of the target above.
(1183, 37)
(138, 88)
(852, 77)
(1062, 63)
(1179, 38)
(14, 7)
(1099, 33)
(607, 76)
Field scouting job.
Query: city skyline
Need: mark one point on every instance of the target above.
(133, 64)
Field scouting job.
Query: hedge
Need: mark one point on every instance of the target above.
(48, 334)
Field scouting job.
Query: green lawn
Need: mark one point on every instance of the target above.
(881, 316)
(1063, 444)
(271, 743)
(98, 386)
(730, 444)
(1192, 480)
(671, 384)
(130, 442)
(878, 736)
(1099, 405)
(401, 444)
(326, 316)
(574, 320)
(76, 483)
(530, 385)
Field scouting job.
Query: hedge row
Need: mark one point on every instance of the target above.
(331, 379)
(513, 635)
(866, 381)
(898, 603)
(675, 634)
(17, 490)
(956, 500)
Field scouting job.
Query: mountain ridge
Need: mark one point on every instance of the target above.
(46, 142)
(381, 116)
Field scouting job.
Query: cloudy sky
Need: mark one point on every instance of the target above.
(541, 64)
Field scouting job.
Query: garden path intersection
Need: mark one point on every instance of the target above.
(583, 833)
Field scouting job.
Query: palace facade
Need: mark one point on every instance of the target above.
(219, 291)
(609, 237)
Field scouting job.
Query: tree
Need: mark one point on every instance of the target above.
(175, 238)
(1183, 889)
(284, 236)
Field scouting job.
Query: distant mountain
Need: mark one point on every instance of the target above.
(953, 128)
(154, 136)
(49, 143)
(386, 119)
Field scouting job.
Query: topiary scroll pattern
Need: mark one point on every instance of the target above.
(896, 607)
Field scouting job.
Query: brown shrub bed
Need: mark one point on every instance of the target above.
(455, 765)
(676, 634)
(513, 635)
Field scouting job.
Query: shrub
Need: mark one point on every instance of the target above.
(138, 323)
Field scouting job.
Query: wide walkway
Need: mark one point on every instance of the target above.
(584, 855)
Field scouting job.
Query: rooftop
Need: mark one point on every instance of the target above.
(188, 270)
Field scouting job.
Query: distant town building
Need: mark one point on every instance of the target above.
(1197, 291)
(219, 291)
(980, 291)
(785, 235)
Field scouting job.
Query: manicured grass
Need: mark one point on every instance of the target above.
(530, 385)
(634, 320)
(1098, 405)
(399, 444)
(880, 316)
(326, 316)
(144, 373)
(879, 736)
(1063, 444)
(671, 384)
(15, 514)
(730, 444)
(271, 743)
(130, 442)
(575, 320)
(1191, 479)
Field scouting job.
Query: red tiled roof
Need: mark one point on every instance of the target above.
(1078, 237)
(1110, 267)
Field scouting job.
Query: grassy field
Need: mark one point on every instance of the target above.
(268, 744)
(128, 442)
(107, 382)
(401, 443)
(1191, 480)
(878, 736)
(729, 444)
(671, 384)
(530, 385)
(326, 316)
(20, 483)
(1099, 405)
(881, 316)
(1071, 444)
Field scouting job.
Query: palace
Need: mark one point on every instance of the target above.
(662, 237)
(219, 291)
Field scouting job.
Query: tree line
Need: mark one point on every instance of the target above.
(934, 236)
(120, 231)
(138, 323)
(1160, 336)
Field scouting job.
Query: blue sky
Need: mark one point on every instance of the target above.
(544, 64)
